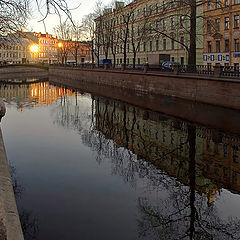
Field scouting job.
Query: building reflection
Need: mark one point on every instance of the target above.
(32, 95)
(163, 141)
(181, 164)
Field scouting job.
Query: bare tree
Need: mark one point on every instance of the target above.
(89, 31)
(64, 34)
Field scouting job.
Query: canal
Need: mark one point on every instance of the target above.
(88, 167)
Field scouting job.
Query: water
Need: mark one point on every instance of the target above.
(87, 167)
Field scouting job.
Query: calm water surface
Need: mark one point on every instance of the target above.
(86, 167)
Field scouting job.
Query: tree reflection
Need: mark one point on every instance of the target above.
(169, 156)
(185, 214)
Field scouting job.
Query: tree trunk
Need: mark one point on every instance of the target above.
(76, 57)
(193, 27)
(134, 58)
(92, 52)
(192, 178)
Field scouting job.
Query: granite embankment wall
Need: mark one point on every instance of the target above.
(21, 73)
(221, 92)
(10, 227)
(225, 119)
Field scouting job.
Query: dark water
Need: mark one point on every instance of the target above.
(86, 167)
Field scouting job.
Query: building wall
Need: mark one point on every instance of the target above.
(48, 51)
(14, 51)
(215, 33)
(160, 22)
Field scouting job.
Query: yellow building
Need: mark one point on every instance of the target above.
(221, 33)
(48, 51)
(148, 31)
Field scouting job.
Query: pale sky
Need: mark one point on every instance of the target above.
(51, 21)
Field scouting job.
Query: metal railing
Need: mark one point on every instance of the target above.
(196, 70)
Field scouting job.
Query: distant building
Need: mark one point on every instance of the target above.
(48, 52)
(14, 50)
(79, 52)
(221, 33)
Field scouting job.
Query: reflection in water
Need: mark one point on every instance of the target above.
(178, 170)
(31, 95)
(28, 221)
(181, 150)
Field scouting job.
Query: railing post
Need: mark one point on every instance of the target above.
(217, 71)
(123, 66)
(106, 66)
(176, 69)
(145, 67)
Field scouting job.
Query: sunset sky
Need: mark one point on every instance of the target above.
(53, 20)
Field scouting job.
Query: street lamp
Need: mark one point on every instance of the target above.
(60, 46)
(34, 49)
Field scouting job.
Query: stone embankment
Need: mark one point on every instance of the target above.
(203, 89)
(19, 74)
(10, 227)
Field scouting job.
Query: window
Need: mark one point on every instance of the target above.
(182, 60)
(182, 41)
(172, 44)
(209, 26)
(226, 3)
(157, 45)
(181, 21)
(208, 145)
(164, 24)
(209, 5)
(157, 8)
(226, 43)
(217, 46)
(209, 47)
(236, 21)
(218, 4)
(226, 23)
(144, 46)
(150, 46)
(235, 154)
(225, 150)
(236, 1)
(172, 23)
(217, 24)
(236, 45)
(164, 44)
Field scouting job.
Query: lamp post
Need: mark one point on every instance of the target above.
(60, 45)
(34, 50)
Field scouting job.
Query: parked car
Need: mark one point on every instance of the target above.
(168, 66)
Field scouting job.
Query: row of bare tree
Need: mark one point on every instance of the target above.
(131, 27)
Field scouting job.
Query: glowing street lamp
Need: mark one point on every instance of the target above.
(60, 45)
(34, 49)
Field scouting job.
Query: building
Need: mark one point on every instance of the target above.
(164, 142)
(70, 51)
(147, 31)
(14, 50)
(221, 33)
(48, 49)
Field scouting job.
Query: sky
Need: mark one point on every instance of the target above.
(86, 7)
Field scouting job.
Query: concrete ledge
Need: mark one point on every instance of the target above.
(221, 92)
(8, 209)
